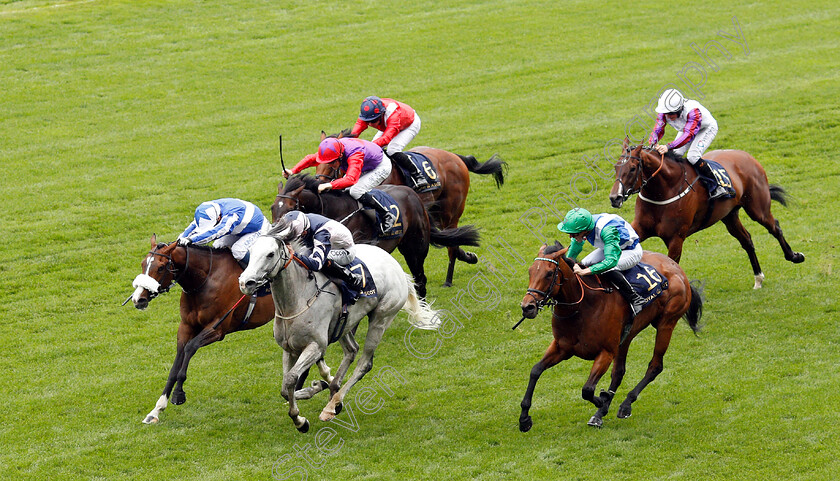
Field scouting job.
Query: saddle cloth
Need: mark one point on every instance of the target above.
(425, 166)
(389, 203)
(721, 178)
(646, 281)
(348, 295)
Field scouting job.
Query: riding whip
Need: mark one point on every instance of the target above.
(281, 154)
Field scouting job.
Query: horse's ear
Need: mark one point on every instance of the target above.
(280, 187)
(154, 240)
(626, 143)
(348, 132)
(297, 191)
(542, 249)
(323, 135)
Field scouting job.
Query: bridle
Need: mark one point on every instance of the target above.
(547, 296)
(275, 271)
(297, 202)
(176, 273)
(639, 173)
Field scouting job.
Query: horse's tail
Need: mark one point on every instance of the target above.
(456, 236)
(420, 313)
(494, 165)
(695, 308)
(778, 194)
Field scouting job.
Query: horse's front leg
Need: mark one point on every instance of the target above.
(291, 374)
(553, 355)
(606, 397)
(675, 245)
(317, 386)
(154, 415)
(203, 338)
(599, 367)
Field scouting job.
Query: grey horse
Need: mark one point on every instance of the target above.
(308, 308)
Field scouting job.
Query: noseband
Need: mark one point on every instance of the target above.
(628, 192)
(547, 298)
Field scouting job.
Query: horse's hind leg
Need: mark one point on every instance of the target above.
(414, 257)
(317, 386)
(599, 367)
(759, 211)
(736, 229)
(553, 355)
(663, 339)
(376, 329)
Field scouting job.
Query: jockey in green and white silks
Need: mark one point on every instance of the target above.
(617, 248)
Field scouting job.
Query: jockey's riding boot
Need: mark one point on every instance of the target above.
(388, 217)
(704, 169)
(626, 290)
(401, 158)
(353, 279)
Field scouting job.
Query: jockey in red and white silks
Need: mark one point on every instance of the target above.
(397, 124)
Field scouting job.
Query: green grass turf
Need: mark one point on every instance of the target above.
(119, 117)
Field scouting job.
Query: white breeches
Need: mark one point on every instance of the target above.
(693, 150)
(628, 259)
(403, 138)
(370, 179)
(239, 245)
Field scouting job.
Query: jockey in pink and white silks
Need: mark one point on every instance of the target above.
(226, 222)
(697, 129)
(397, 124)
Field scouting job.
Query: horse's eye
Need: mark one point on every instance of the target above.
(160, 268)
(270, 255)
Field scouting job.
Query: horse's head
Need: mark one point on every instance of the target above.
(628, 174)
(545, 278)
(269, 256)
(327, 172)
(159, 272)
(287, 199)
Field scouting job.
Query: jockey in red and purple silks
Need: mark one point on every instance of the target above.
(364, 169)
(697, 129)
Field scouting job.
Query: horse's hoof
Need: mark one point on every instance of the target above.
(327, 415)
(470, 258)
(338, 408)
(304, 428)
(178, 398)
(525, 425)
(320, 384)
(623, 413)
(798, 257)
(151, 420)
(447, 284)
(595, 421)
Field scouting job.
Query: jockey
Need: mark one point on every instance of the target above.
(330, 242)
(617, 248)
(397, 124)
(697, 129)
(230, 223)
(364, 169)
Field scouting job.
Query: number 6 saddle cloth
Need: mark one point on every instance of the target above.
(646, 281)
(425, 165)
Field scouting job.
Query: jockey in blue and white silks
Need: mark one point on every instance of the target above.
(226, 222)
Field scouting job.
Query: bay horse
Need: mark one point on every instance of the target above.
(588, 319)
(672, 204)
(209, 278)
(446, 204)
(308, 313)
(301, 193)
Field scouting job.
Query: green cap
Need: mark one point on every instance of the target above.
(577, 220)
